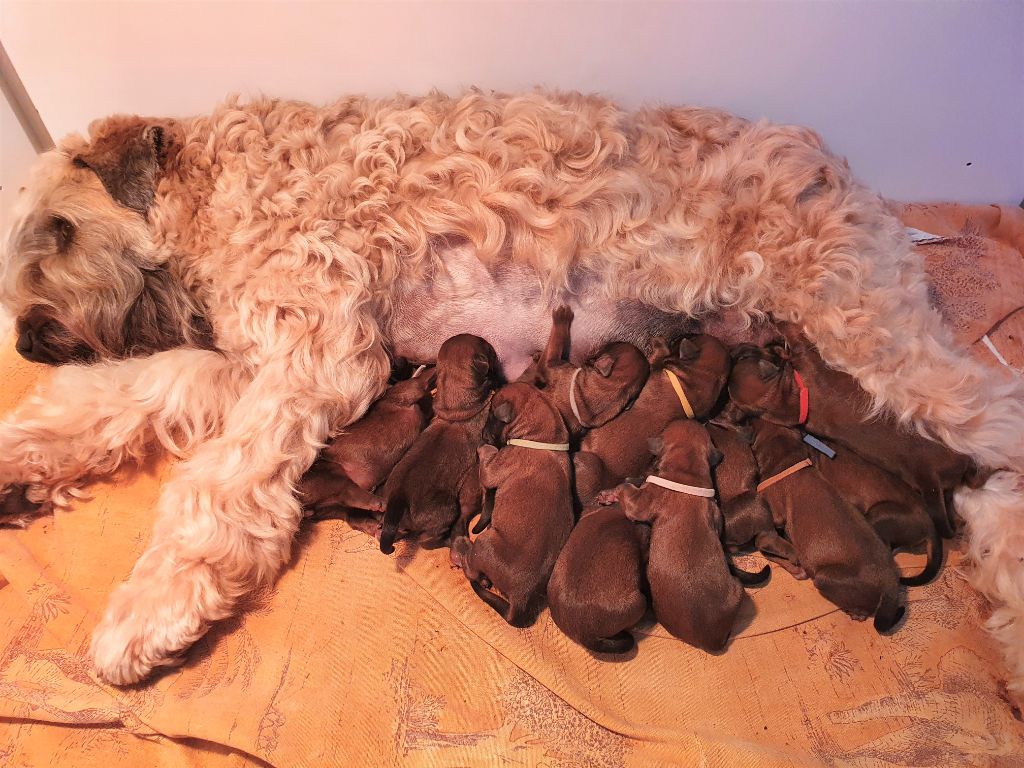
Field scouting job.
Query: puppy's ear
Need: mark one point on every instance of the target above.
(688, 350)
(656, 445)
(604, 365)
(503, 412)
(779, 349)
(481, 363)
(128, 154)
(767, 369)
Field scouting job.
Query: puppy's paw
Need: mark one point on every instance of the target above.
(562, 314)
(607, 497)
(16, 510)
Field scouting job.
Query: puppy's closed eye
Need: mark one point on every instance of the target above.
(63, 231)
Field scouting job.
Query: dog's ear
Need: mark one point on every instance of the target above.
(715, 457)
(128, 155)
(604, 365)
(656, 445)
(688, 350)
(767, 369)
(481, 363)
(503, 412)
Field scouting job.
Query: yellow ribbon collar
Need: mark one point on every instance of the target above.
(678, 387)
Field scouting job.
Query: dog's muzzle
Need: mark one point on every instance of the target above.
(44, 340)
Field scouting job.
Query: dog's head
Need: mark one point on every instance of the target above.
(467, 372)
(609, 381)
(519, 410)
(79, 269)
(762, 384)
(702, 364)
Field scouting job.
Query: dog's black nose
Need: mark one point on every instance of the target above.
(25, 342)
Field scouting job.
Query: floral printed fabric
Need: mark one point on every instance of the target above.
(359, 659)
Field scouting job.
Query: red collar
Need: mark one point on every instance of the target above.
(805, 397)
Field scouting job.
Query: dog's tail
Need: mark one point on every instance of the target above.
(486, 512)
(501, 606)
(934, 564)
(393, 514)
(621, 642)
(889, 612)
(748, 579)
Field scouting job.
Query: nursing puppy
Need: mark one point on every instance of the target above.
(746, 515)
(352, 464)
(894, 511)
(843, 556)
(596, 591)
(618, 450)
(592, 394)
(835, 407)
(532, 513)
(435, 483)
(695, 595)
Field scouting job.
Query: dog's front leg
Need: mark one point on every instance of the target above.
(88, 420)
(226, 521)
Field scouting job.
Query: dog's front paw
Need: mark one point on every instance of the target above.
(141, 631)
(16, 510)
(607, 497)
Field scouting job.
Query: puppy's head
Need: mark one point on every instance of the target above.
(609, 382)
(702, 364)
(520, 410)
(467, 371)
(686, 445)
(414, 390)
(762, 384)
(79, 267)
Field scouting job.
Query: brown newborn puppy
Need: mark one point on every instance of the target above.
(748, 520)
(596, 591)
(360, 459)
(533, 512)
(695, 595)
(594, 393)
(894, 511)
(845, 559)
(836, 408)
(435, 483)
(618, 450)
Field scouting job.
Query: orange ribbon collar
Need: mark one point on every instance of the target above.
(783, 474)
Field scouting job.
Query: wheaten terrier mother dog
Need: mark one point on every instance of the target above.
(270, 253)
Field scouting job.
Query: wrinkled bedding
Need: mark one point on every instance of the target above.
(354, 658)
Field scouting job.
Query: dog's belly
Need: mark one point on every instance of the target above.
(507, 307)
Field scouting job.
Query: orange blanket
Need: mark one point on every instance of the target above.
(357, 659)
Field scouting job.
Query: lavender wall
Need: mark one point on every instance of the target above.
(926, 99)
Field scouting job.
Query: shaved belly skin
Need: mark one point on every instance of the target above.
(507, 307)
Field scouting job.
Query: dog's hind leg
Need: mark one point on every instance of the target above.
(851, 279)
(226, 521)
(89, 420)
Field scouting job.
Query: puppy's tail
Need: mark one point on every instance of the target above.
(486, 512)
(501, 606)
(889, 612)
(393, 514)
(621, 642)
(931, 568)
(748, 579)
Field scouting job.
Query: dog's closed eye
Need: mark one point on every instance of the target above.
(64, 231)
